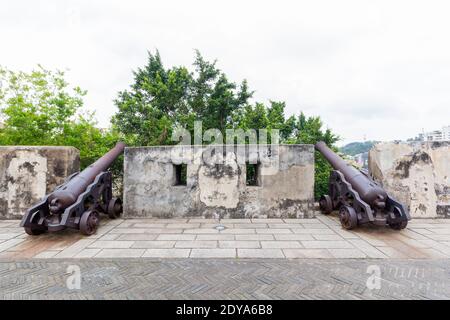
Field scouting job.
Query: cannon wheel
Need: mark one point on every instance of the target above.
(89, 222)
(348, 217)
(34, 231)
(325, 204)
(114, 208)
(399, 225)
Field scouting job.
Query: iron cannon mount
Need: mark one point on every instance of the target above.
(77, 202)
(359, 199)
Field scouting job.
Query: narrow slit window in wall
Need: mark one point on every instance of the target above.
(180, 171)
(253, 174)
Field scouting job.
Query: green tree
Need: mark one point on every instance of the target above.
(161, 99)
(310, 130)
(40, 108)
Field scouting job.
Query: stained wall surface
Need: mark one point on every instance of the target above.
(216, 181)
(28, 173)
(418, 174)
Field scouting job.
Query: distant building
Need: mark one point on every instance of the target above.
(446, 133)
(437, 135)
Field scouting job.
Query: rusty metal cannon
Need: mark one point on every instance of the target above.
(358, 197)
(77, 202)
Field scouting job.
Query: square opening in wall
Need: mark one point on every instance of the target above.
(180, 174)
(253, 174)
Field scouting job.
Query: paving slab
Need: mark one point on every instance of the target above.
(267, 220)
(110, 236)
(239, 244)
(274, 231)
(307, 253)
(213, 253)
(138, 237)
(7, 236)
(285, 225)
(46, 254)
(241, 231)
(392, 253)
(158, 244)
(328, 237)
(281, 244)
(347, 253)
(319, 244)
(240, 221)
(257, 237)
(201, 220)
(10, 244)
(248, 226)
(196, 244)
(201, 231)
(120, 253)
(87, 253)
(260, 253)
(75, 248)
(164, 253)
(307, 230)
(216, 237)
(293, 237)
(114, 244)
(183, 237)
(370, 251)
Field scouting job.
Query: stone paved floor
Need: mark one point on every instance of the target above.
(250, 259)
(148, 278)
(321, 237)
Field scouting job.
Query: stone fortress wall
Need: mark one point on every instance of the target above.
(417, 174)
(212, 190)
(27, 174)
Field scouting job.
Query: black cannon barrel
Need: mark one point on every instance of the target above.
(67, 195)
(368, 190)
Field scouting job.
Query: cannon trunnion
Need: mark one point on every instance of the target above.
(358, 197)
(78, 202)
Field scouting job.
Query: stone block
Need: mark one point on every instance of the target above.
(416, 174)
(27, 174)
(284, 189)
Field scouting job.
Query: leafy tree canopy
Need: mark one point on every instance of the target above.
(39, 108)
(161, 99)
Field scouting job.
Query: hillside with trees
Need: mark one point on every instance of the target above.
(355, 148)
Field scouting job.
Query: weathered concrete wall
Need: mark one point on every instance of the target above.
(418, 174)
(28, 173)
(284, 190)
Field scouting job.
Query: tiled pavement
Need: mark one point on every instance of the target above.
(321, 237)
(250, 259)
(222, 279)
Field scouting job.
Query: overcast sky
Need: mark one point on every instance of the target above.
(371, 69)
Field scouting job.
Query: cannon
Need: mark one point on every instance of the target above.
(77, 202)
(358, 197)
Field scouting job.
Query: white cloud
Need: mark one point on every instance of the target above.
(379, 70)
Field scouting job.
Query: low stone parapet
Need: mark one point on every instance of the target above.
(179, 181)
(417, 174)
(27, 174)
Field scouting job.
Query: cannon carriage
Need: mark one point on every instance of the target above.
(359, 199)
(77, 203)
